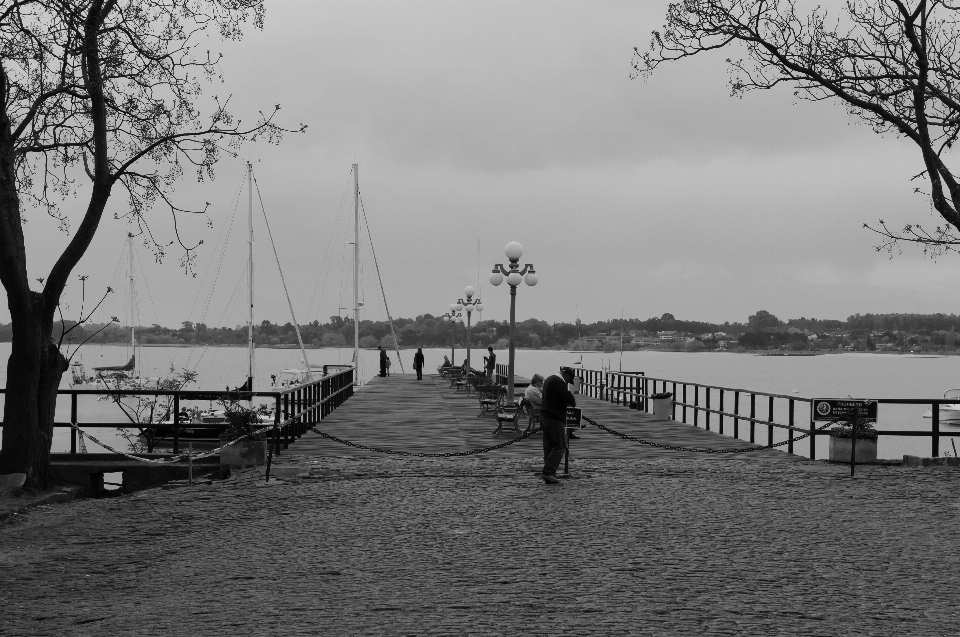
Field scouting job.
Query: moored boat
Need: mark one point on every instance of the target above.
(949, 413)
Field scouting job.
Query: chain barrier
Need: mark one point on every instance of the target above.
(182, 456)
(449, 454)
(694, 450)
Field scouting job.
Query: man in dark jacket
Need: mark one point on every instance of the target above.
(418, 363)
(383, 360)
(553, 420)
(490, 362)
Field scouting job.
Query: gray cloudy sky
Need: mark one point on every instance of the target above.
(498, 121)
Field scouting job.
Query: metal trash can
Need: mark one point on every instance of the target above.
(663, 405)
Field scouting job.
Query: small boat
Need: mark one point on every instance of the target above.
(949, 414)
(295, 377)
(205, 424)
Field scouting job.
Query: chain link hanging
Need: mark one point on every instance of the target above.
(695, 450)
(450, 454)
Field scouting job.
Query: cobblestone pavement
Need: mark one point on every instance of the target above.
(481, 547)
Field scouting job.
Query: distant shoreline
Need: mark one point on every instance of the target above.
(752, 352)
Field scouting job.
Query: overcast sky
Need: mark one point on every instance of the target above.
(489, 122)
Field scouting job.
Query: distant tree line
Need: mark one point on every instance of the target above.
(762, 330)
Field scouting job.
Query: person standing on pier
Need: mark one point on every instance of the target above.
(383, 360)
(418, 363)
(490, 361)
(553, 421)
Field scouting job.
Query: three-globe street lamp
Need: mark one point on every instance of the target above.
(469, 305)
(452, 317)
(514, 275)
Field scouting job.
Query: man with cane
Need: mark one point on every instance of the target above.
(553, 421)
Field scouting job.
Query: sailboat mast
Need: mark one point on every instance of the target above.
(133, 321)
(250, 350)
(356, 273)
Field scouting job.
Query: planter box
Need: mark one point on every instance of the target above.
(246, 453)
(840, 450)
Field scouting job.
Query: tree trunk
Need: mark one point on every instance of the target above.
(34, 370)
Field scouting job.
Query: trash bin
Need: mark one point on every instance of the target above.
(663, 405)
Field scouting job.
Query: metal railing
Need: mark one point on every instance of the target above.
(734, 410)
(295, 409)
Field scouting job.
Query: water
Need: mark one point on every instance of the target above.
(860, 375)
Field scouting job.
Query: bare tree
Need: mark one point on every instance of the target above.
(893, 64)
(94, 95)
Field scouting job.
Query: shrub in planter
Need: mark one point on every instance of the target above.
(841, 442)
(246, 424)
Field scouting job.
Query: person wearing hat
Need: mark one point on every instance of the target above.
(490, 362)
(553, 421)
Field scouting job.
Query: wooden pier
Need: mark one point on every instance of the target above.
(403, 414)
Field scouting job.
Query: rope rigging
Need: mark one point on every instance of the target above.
(396, 343)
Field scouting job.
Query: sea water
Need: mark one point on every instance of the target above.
(851, 374)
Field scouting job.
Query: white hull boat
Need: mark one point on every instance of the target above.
(949, 414)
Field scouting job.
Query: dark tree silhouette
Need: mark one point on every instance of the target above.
(893, 64)
(97, 94)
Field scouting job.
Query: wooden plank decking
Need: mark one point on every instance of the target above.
(400, 413)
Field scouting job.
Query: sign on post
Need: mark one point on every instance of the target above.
(573, 418)
(827, 409)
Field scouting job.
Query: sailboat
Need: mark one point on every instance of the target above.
(114, 377)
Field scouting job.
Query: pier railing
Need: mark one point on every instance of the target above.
(740, 412)
(294, 409)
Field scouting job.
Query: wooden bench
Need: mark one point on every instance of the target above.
(533, 414)
(455, 375)
(507, 412)
(490, 396)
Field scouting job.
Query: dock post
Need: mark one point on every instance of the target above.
(673, 403)
(276, 426)
(790, 431)
(706, 414)
(813, 429)
(176, 423)
(770, 420)
(935, 439)
(286, 415)
(73, 419)
(696, 406)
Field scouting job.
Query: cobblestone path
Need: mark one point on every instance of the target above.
(481, 547)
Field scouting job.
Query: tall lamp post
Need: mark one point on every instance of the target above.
(452, 317)
(469, 305)
(514, 275)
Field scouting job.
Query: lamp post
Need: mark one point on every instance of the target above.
(452, 317)
(469, 305)
(514, 275)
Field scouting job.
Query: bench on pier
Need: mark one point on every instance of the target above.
(445, 371)
(454, 375)
(470, 380)
(490, 396)
(507, 412)
(532, 413)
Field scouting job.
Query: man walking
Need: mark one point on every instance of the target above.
(418, 363)
(383, 360)
(553, 420)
